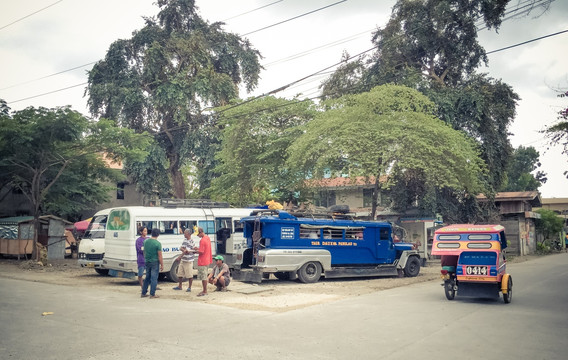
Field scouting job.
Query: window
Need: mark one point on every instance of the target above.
(309, 232)
(120, 191)
(326, 198)
(208, 226)
(367, 197)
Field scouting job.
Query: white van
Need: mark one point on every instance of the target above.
(92, 246)
(221, 224)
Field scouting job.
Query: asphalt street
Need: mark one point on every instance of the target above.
(414, 322)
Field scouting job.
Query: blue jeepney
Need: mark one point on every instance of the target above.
(287, 246)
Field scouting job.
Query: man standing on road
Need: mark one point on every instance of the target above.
(203, 260)
(153, 258)
(143, 231)
(185, 268)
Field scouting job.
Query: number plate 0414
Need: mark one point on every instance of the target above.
(476, 270)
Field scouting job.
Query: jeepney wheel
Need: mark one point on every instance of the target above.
(282, 275)
(310, 272)
(412, 267)
(172, 274)
(450, 289)
(509, 295)
(102, 272)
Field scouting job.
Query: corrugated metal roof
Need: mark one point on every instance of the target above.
(15, 220)
(531, 196)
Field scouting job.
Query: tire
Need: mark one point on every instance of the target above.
(310, 272)
(102, 272)
(412, 267)
(172, 274)
(282, 275)
(509, 295)
(450, 289)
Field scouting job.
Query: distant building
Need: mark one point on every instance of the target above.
(516, 210)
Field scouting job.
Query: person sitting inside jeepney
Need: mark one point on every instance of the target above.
(449, 262)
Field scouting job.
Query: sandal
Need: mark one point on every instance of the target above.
(201, 294)
(177, 288)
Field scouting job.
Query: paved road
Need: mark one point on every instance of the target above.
(415, 322)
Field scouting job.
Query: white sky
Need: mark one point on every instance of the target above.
(71, 33)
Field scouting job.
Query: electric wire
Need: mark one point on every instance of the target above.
(294, 18)
(27, 16)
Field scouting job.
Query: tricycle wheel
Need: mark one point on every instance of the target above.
(509, 295)
(450, 289)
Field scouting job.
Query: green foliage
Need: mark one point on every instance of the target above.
(549, 224)
(252, 160)
(55, 157)
(387, 131)
(433, 37)
(162, 79)
(524, 161)
(558, 133)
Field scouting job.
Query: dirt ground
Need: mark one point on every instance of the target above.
(271, 295)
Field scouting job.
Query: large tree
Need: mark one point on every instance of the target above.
(55, 157)
(520, 177)
(558, 133)
(387, 131)
(162, 79)
(252, 160)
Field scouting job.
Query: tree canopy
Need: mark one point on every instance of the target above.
(162, 79)
(55, 157)
(524, 161)
(252, 159)
(558, 133)
(389, 130)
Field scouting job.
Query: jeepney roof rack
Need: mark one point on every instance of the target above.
(313, 214)
(193, 203)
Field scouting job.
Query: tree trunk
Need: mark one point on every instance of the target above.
(375, 199)
(178, 183)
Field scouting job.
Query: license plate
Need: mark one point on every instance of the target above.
(90, 265)
(476, 270)
(445, 277)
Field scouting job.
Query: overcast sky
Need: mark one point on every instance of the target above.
(41, 41)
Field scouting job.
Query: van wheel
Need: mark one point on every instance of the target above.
(412, 267)
(102, 272)
(172, 274)
(310, 272)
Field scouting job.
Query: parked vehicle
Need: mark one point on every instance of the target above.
(287, 246)
(91, 249)
(221, 224)
(473, 261)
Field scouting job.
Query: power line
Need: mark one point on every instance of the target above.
(27, 16)
(253, 10)
(295, 17)
(526, 42)
(47, 76)
(47, 93)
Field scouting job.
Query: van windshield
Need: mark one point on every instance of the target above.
(96, 229)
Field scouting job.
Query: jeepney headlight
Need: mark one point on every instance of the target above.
(81, 255)
(260, 258)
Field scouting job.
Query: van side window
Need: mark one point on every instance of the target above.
(384, 233)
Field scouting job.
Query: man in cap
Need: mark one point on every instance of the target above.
(220, 276)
